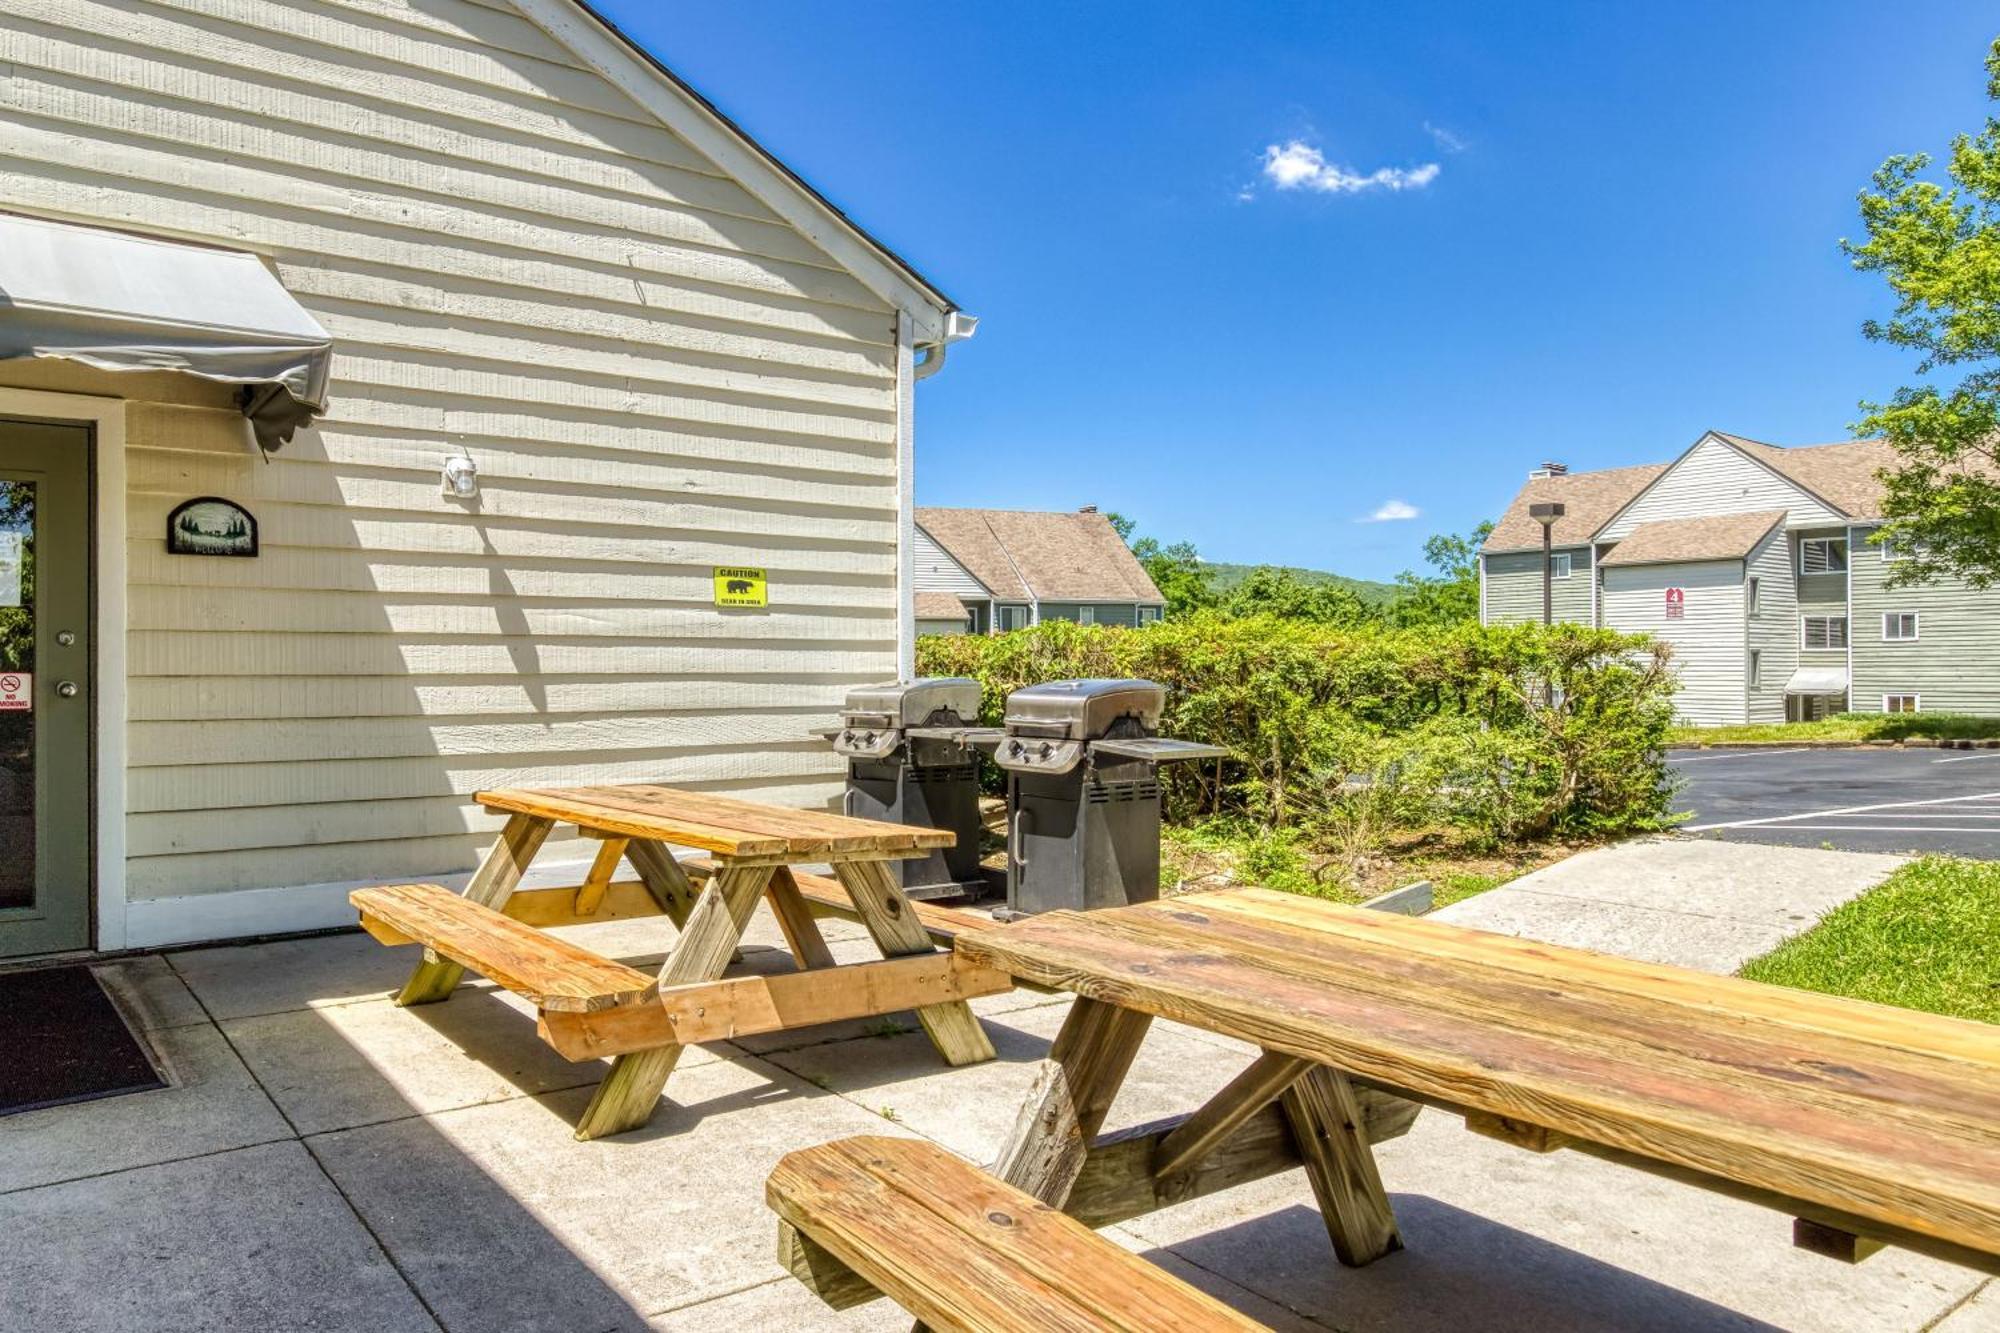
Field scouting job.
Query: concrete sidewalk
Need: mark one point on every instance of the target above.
(326, 1161)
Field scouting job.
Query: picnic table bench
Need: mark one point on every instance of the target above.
(589, 1007)
(1867, 1125)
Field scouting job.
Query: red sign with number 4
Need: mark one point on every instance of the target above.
(1676, 604)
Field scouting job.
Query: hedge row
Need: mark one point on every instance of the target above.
(1506, 733)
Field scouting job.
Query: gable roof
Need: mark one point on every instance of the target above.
(1023, 555)
(642, 76)
(1590, 499)
(941, 606)
(1711, 537)
(1841, 474)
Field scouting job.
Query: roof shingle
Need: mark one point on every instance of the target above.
(1713, 537)
(1590, 499)
(1051, 557)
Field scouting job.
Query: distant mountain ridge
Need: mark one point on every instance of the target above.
(1224, 575)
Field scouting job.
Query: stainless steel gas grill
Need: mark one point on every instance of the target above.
(910, 760)
(1083, 792)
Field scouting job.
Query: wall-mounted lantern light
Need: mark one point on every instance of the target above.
(461, 477)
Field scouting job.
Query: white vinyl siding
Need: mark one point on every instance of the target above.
(653, 371)
(1769, 631)
(1512, 587)
(938, 572)
(1717, 478)
(1709, 641)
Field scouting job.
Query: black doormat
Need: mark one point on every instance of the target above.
(65, 1041)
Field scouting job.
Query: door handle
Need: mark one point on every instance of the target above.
(66, 688)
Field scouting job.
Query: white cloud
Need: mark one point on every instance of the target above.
(1446, 140)
(1393, 511)
(1297, 165)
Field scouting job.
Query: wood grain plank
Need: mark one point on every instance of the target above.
(808, 947)
(891, 920)
(1087, 1064)
(490, 886)
(743, 1006)
(1327, 1125)
(961, 1250)
(629, 1093)
(552, 972)
(1931, 1174)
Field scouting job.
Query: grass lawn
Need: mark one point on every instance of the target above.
(1928, 937)
(1849, 727)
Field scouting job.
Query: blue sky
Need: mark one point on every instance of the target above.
(1583, 232)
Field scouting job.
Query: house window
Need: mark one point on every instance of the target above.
(1148, 614)
(1756, 668)
(1559, 565)
(1823, 632)
(1086, 615)
(1013, 618)
(1888, 550)
(1898, 625)
(1823, 555)
(1901, 703)
(1755, 601)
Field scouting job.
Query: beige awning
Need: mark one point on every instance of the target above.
(1818, 680)
(124, 302)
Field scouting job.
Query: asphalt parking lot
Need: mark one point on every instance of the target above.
(1855, 800)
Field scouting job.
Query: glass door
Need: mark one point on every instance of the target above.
(45, 661)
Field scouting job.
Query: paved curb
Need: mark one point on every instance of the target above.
(1914, 743)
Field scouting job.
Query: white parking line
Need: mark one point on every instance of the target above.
(1842, 810)
(1745, 754)
(1959, 759)
(1862, 828)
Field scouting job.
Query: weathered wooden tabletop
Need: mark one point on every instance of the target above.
(724, 825)
(1880, 1114)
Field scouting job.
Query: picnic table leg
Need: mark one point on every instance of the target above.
(1072, 1094)
(663, 877)
(892, 921)
(1327, 1124)
(802, 935)
(626, 1098)
(490, 886)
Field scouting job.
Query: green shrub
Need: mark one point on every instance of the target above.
(1505, 732)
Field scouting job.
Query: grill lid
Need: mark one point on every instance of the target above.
(1084, 709)
(911, 703)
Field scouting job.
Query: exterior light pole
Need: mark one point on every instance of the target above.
(1546, 515)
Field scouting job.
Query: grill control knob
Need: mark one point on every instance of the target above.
(847, 736)
(1047, 749)
(1013, 747)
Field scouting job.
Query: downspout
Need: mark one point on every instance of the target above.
(957, 326)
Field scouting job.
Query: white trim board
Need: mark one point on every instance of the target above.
(106, 418)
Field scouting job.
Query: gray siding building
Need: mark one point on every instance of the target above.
(1755, 562)
(1010, 568)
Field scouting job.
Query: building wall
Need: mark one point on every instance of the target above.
(1513, 587)
(1715, 478)
(1820, 595)
(938, 572)
(654, 373)
(942, 627)
(1709, 641)
(1103, 613)
(1773, 632)
(1954, 665)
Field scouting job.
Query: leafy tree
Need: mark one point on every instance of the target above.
(1178, 573)
(1938, 247)
(1451, 595)
(1271, 591)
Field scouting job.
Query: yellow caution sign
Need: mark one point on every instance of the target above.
(740, 587)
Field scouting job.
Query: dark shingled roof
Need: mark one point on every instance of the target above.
(1052, 557)
(1590, 498)
(1713, 537)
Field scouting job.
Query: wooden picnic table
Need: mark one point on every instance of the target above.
(590, 1007)
(1867, 1124)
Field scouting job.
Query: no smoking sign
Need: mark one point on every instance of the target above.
(17, 692)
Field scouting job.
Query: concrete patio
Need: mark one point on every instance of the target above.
(326, 1161)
